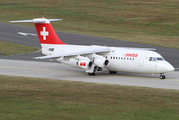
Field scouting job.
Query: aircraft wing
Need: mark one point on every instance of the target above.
(99, 50)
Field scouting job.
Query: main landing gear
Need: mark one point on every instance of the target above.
(94, 71)
(162, 76)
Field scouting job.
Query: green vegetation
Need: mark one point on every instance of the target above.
(7, 48)
(34, 99)
(150, 22)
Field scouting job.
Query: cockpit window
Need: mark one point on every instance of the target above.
(160, 59)
(152, 59)
(156, 59)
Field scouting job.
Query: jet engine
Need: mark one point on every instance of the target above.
(101, 62)
(85, 64)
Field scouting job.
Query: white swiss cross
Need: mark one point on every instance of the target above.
(44, 33)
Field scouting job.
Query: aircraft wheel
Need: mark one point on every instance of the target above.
(162, 76)
(94, 71)
(112, 72)
(91, 74)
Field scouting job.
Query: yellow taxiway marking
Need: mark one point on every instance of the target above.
(77, 72)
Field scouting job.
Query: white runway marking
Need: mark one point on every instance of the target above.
(26, 34)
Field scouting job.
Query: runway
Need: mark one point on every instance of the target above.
(24, 65)
(54, 70)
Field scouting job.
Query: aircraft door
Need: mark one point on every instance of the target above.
(141, 61)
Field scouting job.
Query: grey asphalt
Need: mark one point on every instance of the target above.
(54, 70)
(8, 32)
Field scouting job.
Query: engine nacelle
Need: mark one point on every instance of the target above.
(101, 62)
(85, 64)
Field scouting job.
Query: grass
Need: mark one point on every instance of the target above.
(149, 22)
(7, 48)
(33, 98)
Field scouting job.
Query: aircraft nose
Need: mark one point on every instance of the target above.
(169, 67)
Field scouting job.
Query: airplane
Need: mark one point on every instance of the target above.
(96, 58)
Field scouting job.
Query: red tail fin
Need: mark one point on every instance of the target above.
(45, 31)
(47, 34)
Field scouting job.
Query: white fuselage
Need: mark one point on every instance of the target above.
(120, 59)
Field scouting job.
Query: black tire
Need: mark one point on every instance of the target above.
(162, 77)
(91, 74)
(112, 72)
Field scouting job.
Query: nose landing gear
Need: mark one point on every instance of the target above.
(162, 76)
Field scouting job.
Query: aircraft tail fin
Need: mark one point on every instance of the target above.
(45, 31)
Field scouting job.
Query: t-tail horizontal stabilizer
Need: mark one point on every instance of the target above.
(37, 20)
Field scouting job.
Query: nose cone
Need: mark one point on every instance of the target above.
(164, 67)
(169, 67)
